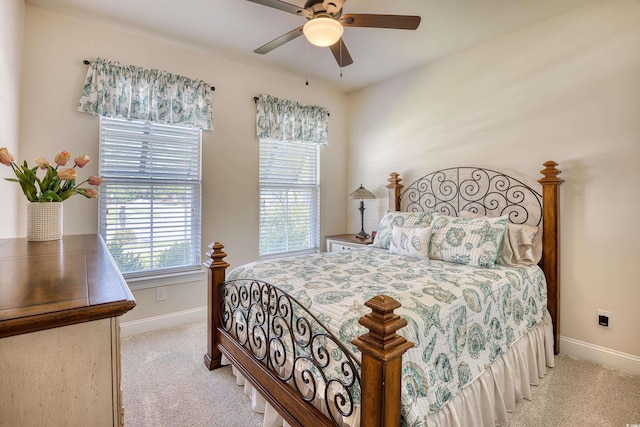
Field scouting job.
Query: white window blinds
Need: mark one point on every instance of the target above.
(150, 202)
(289, 197)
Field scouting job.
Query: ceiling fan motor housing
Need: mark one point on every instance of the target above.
(332, 8)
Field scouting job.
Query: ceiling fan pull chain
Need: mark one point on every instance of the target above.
(307, 65)
(340, 41)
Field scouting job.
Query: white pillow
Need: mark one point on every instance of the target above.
(471, 241)
(520, 246)
(522, 243)
(410, 241)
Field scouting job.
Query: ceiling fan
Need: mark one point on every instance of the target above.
(325, 25)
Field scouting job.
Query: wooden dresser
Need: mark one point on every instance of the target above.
(60, 303)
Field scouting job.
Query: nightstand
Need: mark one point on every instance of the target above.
(345, 242)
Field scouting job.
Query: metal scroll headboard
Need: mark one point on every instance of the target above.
(479, 190)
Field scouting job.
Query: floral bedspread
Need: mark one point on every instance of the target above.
(460, 318)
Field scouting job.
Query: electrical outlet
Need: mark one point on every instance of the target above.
(161, 294)
(604, 318)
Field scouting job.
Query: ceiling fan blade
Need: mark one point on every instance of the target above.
(399, 22)
(341, 53)
(280, 5)
(333, 6)
(293, 34)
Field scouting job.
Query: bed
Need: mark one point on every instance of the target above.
(445, 335)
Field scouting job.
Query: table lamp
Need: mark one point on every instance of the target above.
(361, 193)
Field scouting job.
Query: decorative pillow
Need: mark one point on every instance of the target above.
(401, 219)
(410, 241)
(522, 243)
(471, 241)
(522, 246)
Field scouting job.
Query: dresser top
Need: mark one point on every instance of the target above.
(44, 285)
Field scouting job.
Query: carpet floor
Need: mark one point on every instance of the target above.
(165, 383)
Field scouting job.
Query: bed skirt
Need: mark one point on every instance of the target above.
(486, 401)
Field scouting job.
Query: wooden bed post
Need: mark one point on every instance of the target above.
(551, 243)
(216, 277)
(394, 187)
(382, 351)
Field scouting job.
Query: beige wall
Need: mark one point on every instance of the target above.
(566, 89)
(11, 30)
(53, 74)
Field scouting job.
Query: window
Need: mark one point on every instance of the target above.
(289, 197)
(149, 212)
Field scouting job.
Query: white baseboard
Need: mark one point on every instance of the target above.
(569, 346)
(162, 322)
(602, 355)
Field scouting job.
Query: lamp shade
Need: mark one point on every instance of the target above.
(323, 31)
(361, 193)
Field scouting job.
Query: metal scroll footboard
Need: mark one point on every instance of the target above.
(294, 344)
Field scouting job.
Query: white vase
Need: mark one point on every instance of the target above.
(44, 221)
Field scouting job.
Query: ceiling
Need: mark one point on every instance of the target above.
(234, 28)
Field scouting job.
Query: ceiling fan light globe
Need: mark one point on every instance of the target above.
(323, 31)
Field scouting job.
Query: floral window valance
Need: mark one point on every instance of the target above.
(285, 120)
(156, 96)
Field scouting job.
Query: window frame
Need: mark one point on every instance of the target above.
(155, 177)
(313, 224)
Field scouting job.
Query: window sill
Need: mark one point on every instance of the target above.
(288, 254)
(147, 282)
